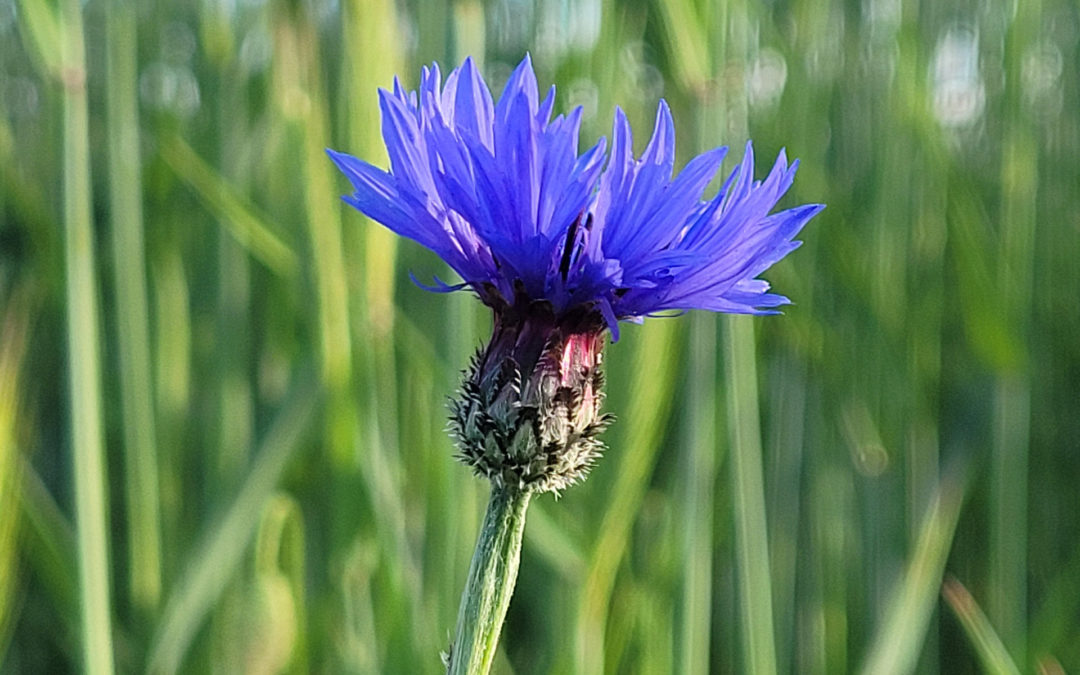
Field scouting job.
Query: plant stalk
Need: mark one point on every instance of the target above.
(89, 465)
(492, 575)
(748, 490)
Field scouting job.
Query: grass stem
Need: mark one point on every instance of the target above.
(748, 490)
(133, 332)
(84, 365)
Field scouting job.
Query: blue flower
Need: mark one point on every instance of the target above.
(500, 192)
(562, 247)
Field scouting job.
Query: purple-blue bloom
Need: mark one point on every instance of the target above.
(501, 193)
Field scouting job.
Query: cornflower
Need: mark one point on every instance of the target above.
(562, 246)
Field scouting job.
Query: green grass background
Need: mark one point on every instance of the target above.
(222, 404)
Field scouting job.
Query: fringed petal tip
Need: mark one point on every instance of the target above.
(440, 286)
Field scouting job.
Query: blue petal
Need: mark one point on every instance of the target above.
(473, 109)
(500, 191)
(439, 286)
(522, 81)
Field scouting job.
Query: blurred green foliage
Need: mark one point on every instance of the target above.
(222, 406)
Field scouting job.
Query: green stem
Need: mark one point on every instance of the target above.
(748, 491)
(492, 575)
(84, 366)
(143, 504)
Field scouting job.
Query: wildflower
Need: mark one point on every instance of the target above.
(562, 249)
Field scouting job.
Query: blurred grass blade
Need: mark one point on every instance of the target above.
(22, 196)
(898, 642)
(50, 550)
(686, 40)
(1052, 625)
(1008, 542)
(992, 653)
(786, 498)
(831, 501)
(222, 547)
(1019, 220)
(358, 643)
(87, 440)
(297, 74)
(133, 332)
(245, 224)
(172, 337)
(13, 336)
(641, 428)
(748, 491)
(41, 27)
(546, 540)
(374, 58)
(699, 479)
(279, 563)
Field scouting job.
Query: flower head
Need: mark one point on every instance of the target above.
(562, 247)
(500, 192)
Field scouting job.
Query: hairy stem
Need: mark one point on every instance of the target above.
(492, 576)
